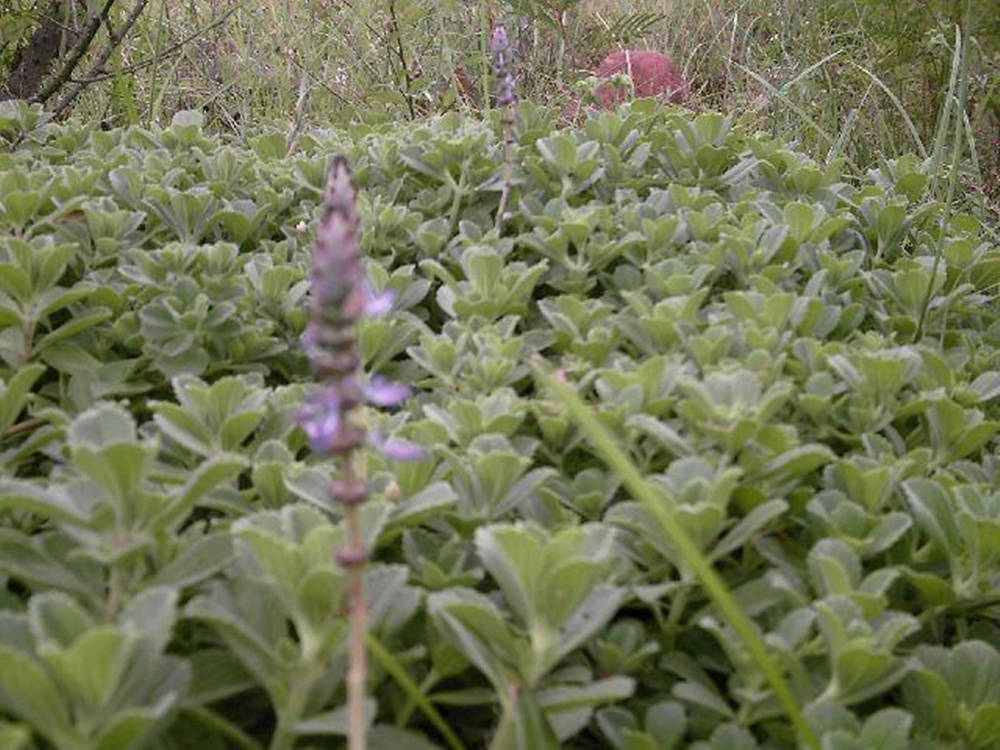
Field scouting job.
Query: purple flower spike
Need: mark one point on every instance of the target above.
(340, 297)
(500, 51)
(336, 263)
(382, 392)
(499, 44)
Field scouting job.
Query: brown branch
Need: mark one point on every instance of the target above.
(159, 56)
(25, 426)
(402, 60)
(114, 39)
(79, 50)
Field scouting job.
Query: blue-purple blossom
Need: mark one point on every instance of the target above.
(322, 418)
(377, 305)
(382, 392)
(324, 421)
(500, 51)
(340, 295)
(399, 449)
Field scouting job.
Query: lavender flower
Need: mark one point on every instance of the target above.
(500, 51)
(340, 296)
(382, 392)
(506, 98)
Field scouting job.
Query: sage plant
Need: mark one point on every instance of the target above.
(339, 296)
(506, 98)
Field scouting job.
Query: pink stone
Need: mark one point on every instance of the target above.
(653, 74)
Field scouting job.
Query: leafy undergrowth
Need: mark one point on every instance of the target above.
(805, 367)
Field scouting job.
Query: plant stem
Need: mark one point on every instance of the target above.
(358, 655)
(284, 733)
(411, 702)
(677, 606)
(507, 126)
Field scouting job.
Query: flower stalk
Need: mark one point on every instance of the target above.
(506, 98)
(339, 297)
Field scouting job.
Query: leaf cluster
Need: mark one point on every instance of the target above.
(804, 364)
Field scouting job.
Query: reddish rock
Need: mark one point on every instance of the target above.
(653, 74)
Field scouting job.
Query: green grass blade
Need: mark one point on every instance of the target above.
(959, 78)
(412, 690)
(808, 71)
(847, 130)
(801, 113)
(944, 121)
(914, 134)
(626, 470)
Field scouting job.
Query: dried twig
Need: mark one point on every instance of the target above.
(115, 37)
(79, 50)
(162, 55)
(408, 78)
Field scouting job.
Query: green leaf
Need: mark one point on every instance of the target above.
(56, 619)
(25, 558)
(478, 628)
(729, 737)
(568, 708)
(89, 670)
(14, 736)
(666, 721)
(208, 475)
(796, 462)
(524, 725)
(150, 615)
(699, 695)
(216, 674)
(15, 392)
(559, 151)
(935, 513)
(514, 555)
(255, 653)
(130, 727)
(386, 737)
(334, 722)
(198, 558)
(419, 508)
(888, 729)
(589, 618)
(27, 692)
(78, 324)
(749, 525)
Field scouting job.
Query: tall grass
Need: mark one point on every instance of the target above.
(863, 80)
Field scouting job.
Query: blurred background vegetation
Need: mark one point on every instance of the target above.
(862, 79)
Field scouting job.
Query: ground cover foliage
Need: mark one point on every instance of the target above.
(804, 365)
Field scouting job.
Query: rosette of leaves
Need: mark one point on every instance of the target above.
(78, 680)
(553, 588)
(282, 613)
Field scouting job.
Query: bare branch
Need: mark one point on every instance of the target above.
(114, 39)
(79, 50)
(98, 76)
